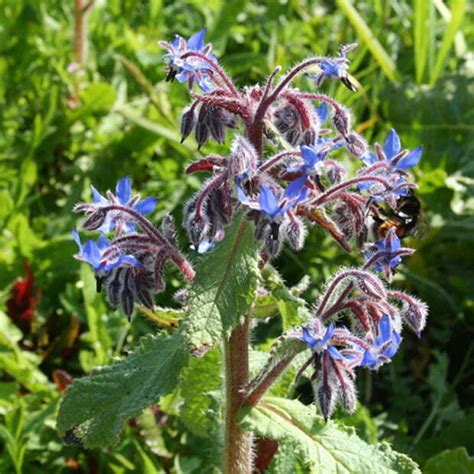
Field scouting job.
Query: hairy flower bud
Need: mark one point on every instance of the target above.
(95, 220)
(309, 137)
(295, 233)
(216, 125)
(202, 128)
(325, 396)
(273, 238)
(342, 121)
(188, 120)
(356, 145)
(286, 118)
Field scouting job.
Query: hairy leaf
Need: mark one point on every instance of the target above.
(200, 383)
(96, 407)
(321, 445)
(224, 288)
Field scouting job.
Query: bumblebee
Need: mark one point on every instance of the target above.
(406, 218)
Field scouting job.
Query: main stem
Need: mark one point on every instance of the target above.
(238, 443)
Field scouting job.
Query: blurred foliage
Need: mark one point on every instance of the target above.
(63, 128)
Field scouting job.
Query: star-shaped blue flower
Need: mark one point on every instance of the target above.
(270, 203)
(384, 347)
(93, 253)
(389, 248)
(391, 149)
(123, 196)
(320, 344)
(191, 68)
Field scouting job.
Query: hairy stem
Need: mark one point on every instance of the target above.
(238, 443)
(215, 66)
(259, 391)
(81, 9)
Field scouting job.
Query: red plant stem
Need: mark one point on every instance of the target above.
(257, 393)
(321, 97)
(267, 100)
(324, 197)
(215, 66)
(237, 442)
(273, 161)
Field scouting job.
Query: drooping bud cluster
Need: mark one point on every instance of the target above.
(130, 266)
(375, 316)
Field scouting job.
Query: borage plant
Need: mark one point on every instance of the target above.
(282, 176)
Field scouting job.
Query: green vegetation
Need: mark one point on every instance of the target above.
(63, 129)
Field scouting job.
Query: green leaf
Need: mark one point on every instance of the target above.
(458, 10)
(224, 288)
(98, 97)
(368, 37)
(292, 308)
(423, 26)
(321, 445)
(454, 461)
(96, 407)
(199, 386)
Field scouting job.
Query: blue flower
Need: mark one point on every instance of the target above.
(314, 154)
(322, 343)
(100, 256)
(384, 347)
(335, 68)
(271, 205)
(269, 202)
(385, 253)
(123, 197)
(311, 155)
(392, 148)
(191, 68)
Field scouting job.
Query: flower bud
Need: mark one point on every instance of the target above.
(216, 125)
(286, 118)
(356, 145)
(309, 137)
(95, 220)
(202, 129)
(295, 233)
(326, 396)
(341, 121)
(273, 239)
(187, 123)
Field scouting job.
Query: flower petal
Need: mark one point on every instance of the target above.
(385, 328)
(146, 206)
(91, 254)
(196, 42)
(334, 353)
(97, 197)
(392, 144)
(295, 191)
(310, 340)
(411, 160)
(123, 190)
(322, 112)
(310, 156)
(268, 201)
(77, 239)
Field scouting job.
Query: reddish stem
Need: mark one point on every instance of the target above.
(216, 68)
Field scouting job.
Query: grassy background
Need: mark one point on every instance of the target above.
(62, 131)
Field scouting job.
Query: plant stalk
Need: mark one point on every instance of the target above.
(81, 8)
(238, 443)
